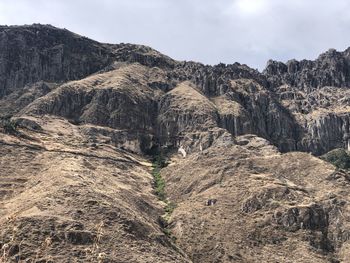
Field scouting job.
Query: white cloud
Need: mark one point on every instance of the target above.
(250, 7)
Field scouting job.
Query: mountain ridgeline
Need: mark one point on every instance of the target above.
(298, 106)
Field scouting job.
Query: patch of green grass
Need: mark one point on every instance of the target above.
(159, 162)
(159, 183)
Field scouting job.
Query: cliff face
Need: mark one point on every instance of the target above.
(33, 53)
(29, 54)
(316, 93)
(271, 104)
(78, 113)
(329, 69)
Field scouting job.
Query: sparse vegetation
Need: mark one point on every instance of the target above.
(170, 207)
(167, 232)
(8, 126)
(4, 258)
(160, 162)
(96, 247)
(159, 183)
(338, 157)
(10, 250)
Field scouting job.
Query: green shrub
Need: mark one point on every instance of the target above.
(8, 126)
(170, 207)
(159, 162)
(338, 157)
(159, 183)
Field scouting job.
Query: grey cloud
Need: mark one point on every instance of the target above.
(247, 31)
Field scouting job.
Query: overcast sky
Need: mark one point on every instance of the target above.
(208, 31)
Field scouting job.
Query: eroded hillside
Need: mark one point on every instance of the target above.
(83, 125)
(67, 196)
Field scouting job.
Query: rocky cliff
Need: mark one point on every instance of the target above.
(329, 69)
(290, 104)
(82, 121)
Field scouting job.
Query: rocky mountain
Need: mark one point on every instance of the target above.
(118, 153)
(329, 69)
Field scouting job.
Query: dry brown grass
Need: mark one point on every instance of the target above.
(253, 184)
(11, 250)
(104, 194)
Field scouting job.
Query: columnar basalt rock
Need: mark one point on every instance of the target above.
(32, 53)
(329, 69)
(324, 132)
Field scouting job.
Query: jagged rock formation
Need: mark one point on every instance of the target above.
(316, 92)
(329, 69)
(292, 109)
(81, 118)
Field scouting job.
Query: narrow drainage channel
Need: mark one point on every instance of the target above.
(159, 162)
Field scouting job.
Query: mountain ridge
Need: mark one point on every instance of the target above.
(91, 132)
(213, 81)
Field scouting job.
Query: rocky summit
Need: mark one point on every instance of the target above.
(118, 153)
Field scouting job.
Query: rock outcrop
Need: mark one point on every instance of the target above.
(111, 99)
(292, 104)
(270, 207)
(42, 53)
(329, 69)
(317, 93)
